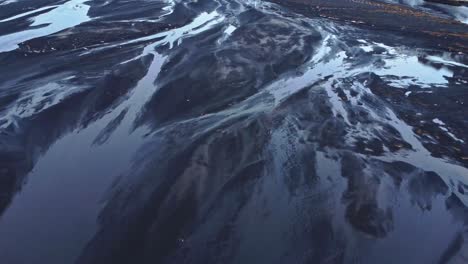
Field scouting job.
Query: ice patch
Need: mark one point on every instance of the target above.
(230, 30)
(7, 2)
(445, 61)
(367, 48)
(27, 13)
(438, 121)
(227, 33)
(445, 129)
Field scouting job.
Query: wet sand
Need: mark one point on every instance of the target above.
(219, 131)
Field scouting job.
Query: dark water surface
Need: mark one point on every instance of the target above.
(232, 131)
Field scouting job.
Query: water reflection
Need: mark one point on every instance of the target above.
(234, 135)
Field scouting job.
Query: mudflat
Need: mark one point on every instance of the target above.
(232, 131)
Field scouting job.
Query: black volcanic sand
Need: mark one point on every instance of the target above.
(299, 131)
(407, 24)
